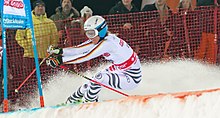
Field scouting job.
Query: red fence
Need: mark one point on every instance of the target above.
(189, 34)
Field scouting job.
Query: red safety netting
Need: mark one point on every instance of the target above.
(183, 35)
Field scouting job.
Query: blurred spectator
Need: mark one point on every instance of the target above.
(186, 5)
(64, 12)
(45, 32)
(121, 10)
(62, 18)
(184, 8)
(207, 49)
(86, 12)
(123, 7)
(173, 5)
(166, 23)
(145, 2)
(161, 6)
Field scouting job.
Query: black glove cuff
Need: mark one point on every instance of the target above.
(59, 58)
(61, 51)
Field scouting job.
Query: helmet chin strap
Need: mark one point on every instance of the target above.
(102, 38)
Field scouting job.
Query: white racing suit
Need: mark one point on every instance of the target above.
(124, 73)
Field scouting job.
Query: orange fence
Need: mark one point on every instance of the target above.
(192, 34)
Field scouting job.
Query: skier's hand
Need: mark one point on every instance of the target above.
(54, 61)
(54, 50)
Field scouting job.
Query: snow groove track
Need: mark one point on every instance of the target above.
(197, 104)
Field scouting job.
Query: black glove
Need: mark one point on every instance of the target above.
(54, 61)
(54, 50)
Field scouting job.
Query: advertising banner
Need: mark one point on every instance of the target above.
(14, 14)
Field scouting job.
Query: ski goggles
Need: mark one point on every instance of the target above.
(91, 33)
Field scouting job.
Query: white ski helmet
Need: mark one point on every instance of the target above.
(94, 26)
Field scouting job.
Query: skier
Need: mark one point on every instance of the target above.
(124, 73)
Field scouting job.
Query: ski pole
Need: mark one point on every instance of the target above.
(85, 77)
(17, 89)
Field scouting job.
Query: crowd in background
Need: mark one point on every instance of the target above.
(106, 5)
(56, 28)
(99, 7)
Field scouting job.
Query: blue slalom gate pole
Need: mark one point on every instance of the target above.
(35, 53)
(5, 73)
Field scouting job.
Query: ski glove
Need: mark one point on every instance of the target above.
(54, 61)
(54, 50)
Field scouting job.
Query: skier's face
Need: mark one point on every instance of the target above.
(95, 40)
(93, 35)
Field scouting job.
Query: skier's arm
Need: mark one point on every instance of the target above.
(70, 51)
(96, 51)
(79, 49)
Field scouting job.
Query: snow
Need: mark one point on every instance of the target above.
(170, 77)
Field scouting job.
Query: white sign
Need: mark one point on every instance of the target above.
(14, 7)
